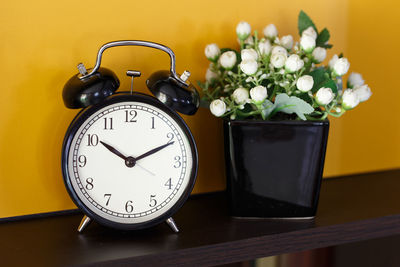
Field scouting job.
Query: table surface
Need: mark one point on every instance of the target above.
(351, 208)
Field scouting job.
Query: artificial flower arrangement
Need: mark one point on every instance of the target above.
(272, 78)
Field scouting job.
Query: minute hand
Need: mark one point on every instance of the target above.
(154, 150)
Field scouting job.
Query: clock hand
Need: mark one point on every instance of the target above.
(113, 150)
(129, 161)
(154, 150)
(143, 168)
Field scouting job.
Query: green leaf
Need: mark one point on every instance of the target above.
(292, 104)
(326, 45)
(304, 22)
(306, 97)
(319, 78)
(330, 84)
(323, 37)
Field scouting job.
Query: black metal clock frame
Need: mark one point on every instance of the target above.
(121, 97)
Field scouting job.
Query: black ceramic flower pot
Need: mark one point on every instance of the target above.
(274, 168)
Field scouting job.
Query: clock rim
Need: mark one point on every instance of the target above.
(83, 115)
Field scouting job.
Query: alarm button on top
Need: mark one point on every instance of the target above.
(182, 98)
(80, 93)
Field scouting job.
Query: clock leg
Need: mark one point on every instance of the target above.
(84, 223)
(171, 223)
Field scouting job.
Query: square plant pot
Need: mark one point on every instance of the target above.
(274, 168)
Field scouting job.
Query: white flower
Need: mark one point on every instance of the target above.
(355, 79)
(279, 49)
(319, 54)
(278, 60)
(240, 96)
(307, 43)
(349, 99)
(287, 41)
(363, 92)
(258, 93)
(324, 96)
(341, 66)
(270, 31)
(227, 60)
(212, 52)
(293, 63)
(264, 47)
(218, 107)
(249, 66)
(333, 61)
(305, 83)
(310, 31)
(243, 30)
(210, 75)
(249, 54)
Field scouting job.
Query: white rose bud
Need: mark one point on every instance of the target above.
(210, 75)
(324, 96)
(319, 54)
(243, 30)
(279, 49)
(264, 47)
(310, 31)
(249, 66)
(333, 61)
(249, 54)
(341, 66)
(293, 63)
(270, 31)
(240, 96)
(363, 92)
(307, 43)
(258, 93)
(218, 107)
(212, 52)
(287, 42)
(349, 99)
(278, 60)
(305, 83)
(228, 60)
(355, 79)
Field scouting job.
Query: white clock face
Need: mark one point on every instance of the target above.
(130, 162)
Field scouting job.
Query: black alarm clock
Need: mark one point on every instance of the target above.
(129, 161)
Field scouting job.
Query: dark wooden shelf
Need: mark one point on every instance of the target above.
(352, 208)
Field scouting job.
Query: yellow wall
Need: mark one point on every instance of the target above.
(43, 40)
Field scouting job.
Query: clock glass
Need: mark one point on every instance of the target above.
(130, 162)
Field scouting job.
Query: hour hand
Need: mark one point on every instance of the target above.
(113, 150)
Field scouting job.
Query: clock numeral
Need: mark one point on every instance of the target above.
(82, 161)
(170, 136)
(130, 115)
(169, 184)
(108, 124)
(89, 183)
(152, 123)
(108, 196)
(128, 206)
(93, 140)
(178, 162)
(153, 201)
